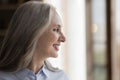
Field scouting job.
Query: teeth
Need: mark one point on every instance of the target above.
(56, 47)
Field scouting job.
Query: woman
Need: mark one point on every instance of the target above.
(33, 36)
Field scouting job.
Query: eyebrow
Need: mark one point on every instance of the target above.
(59, 26)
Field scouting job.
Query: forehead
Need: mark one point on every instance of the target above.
(56, 19)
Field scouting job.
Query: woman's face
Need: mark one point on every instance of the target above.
(49, 43)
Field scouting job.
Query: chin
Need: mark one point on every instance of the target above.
(55, 55)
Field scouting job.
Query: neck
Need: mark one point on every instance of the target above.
(37, 62)
(35, 66)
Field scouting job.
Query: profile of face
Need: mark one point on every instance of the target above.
(49, 42)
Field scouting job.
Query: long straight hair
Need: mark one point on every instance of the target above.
(30, 18)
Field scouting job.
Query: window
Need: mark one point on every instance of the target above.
(116, 67)
(104, 60)
(98, 19)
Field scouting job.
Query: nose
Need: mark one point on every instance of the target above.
(62, 38)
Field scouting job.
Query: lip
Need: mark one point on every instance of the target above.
(56, 46)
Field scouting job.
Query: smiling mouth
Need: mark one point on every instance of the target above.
(56, 47)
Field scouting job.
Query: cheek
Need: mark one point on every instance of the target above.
(45, 43)
(52, 38)
(47, 40)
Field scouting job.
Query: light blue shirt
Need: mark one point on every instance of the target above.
(26, 74)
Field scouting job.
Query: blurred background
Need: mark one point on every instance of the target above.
(92, 29)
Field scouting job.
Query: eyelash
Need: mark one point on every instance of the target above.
(57, 30)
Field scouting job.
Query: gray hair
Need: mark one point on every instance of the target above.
(30, 18)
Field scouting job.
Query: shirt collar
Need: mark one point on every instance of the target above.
(45, 70)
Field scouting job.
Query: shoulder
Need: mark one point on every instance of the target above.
(3, 75)
(6, 76)
(59, 75)
(54, 73)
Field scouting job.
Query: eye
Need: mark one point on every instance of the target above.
(56, 29)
